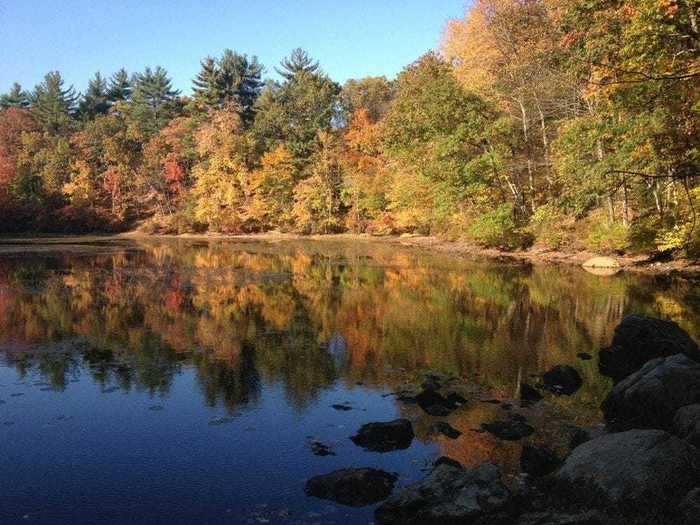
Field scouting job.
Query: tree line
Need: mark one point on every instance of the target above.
(564, 123)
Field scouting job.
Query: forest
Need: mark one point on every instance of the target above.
(565, 124)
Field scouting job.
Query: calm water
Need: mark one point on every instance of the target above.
(181, 382)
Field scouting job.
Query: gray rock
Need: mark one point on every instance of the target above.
(529, 394)
(639, 339)
(635, 473)
(650, 397)
(562, 379)
(689, 509)
(450, 494)
(686, 424)
(385, 436)
(591, 517)
(355, 487)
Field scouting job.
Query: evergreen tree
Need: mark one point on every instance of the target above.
(119, 87)
(94, 100)
(205, 85)
(299, 61)
(153, 101)
(15, 98)
(239, 82)
(54, 105)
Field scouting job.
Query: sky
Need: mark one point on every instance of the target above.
(350, 38)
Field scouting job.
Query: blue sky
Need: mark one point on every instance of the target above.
(351, 38)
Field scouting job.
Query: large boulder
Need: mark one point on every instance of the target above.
(562, 379)
(355, 487)
(450, 494)
(686, 424)
(385, 437)
(635, 473)
(638, 339)
(689, 510)
(650, 397)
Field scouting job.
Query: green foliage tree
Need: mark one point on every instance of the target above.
(53, 105)
(96, 99)
(15, 98)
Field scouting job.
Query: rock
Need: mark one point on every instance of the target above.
(591, 517)
(579, 436)
(450, 494)
(341, 407)
(562, 379)
(538, 460)
(686, 424)
(584, 356)
(634, 473)
(444, 460)
(385, 437)
(689, 509)
(651, 396)
(320, 449)
(529, 394)
(435, 403)
(511, 429)
(355, 487)
(639, 339)
(444, 428)
(601, 262)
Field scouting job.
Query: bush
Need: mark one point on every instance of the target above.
(546, 226)
(607, 238)
(497, 229)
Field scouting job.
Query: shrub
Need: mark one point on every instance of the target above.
(607, 238)
(546, 226)
(497, 228)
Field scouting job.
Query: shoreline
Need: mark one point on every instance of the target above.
(642, 263)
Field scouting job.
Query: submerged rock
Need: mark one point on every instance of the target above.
(436, 404)
(385, 437)
(341, 407)
(639, 339)
(635, 473)
(355, 487)
(319, 448)
(538, 460)
(444, 428)
(686, 424)
(562, 379)
(650, 397)
(450, 494)
(511, 429)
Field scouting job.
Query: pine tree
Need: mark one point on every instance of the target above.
(299, 61)
(53, 105)
(119, 87)
(15, 98)
(205, 84)
(153, 100)
(94, 100)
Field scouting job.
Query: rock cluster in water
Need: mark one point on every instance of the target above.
(643, 467)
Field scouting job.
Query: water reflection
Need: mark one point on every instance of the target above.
(306, 315)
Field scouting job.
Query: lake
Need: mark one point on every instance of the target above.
(186, 381)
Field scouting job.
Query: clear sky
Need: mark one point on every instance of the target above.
(351, 38)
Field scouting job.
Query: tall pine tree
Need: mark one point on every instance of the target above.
(95, 100)
(54, 105)
(15, 98)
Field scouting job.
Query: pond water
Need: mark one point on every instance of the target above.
(182, 381)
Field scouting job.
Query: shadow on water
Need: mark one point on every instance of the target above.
(278, 331)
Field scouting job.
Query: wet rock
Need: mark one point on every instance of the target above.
(562, 379)
(449, 494)
(686, 424)
(220, 420)
(434, 403)
(601, 262)
(511, 429)
(635, 473)
(584, 356)
(529, 394)
(639, 339)
(341, 407)
(651, 396)
(355, 487)
(385, 437)
(689, 509)
(538, 460)
(407, 396)
(444, 428)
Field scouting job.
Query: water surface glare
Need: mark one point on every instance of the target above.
(174, 381)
